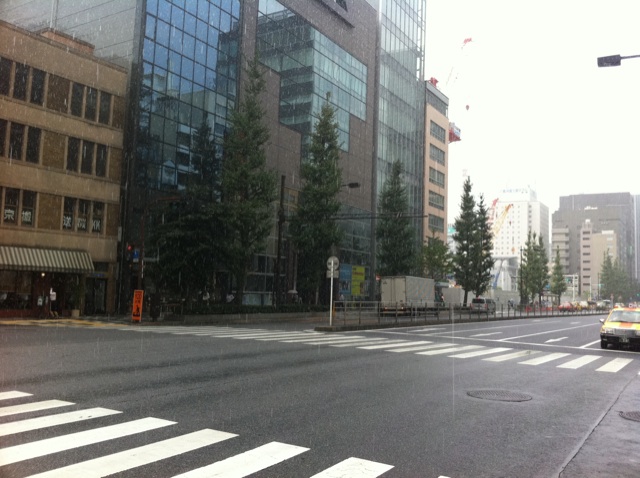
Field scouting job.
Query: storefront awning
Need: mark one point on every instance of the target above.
(44, 260)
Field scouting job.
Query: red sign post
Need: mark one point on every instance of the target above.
(136, 310)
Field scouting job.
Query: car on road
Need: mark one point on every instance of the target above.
(483, 304)
(566, 307)
(621, 328)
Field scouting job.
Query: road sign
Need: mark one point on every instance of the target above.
(333, 263)
(333, 274)
(136, 310)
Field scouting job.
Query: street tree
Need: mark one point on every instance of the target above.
(615, 281)
(558, 284)
(463, 238)
(394, 232)
(534, 269)
(480, 250)
(314, 230)
(435, 259)
(248, 188)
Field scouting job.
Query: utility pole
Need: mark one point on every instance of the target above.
(276, 268)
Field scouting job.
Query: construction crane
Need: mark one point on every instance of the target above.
(497, 225)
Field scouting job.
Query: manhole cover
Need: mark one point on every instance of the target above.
(635, 416)
(500, 395)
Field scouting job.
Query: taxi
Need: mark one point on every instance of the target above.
(620, 328)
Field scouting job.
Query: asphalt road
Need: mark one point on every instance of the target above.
(522, 398)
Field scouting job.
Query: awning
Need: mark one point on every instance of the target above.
(44, 260)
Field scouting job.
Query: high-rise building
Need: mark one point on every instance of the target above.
(184, 65)
(585, 216)
(61, 158)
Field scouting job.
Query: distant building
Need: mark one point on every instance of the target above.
(61, 156)
(582, 221)
(515, 214)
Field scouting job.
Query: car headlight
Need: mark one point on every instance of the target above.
(637, 332)
(608, 330)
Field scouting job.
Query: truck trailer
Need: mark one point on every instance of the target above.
(403, 294)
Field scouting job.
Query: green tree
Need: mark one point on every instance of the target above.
(480, 250)
(540, 276)
(534, 269)
(463, 238)
(615, 281)
(248, 188)
(435, 260)
(558, 283)
(394, 233)
(314, 230)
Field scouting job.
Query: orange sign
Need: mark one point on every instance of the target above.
(136, 311)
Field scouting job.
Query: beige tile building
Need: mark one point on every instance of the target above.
(61, 134)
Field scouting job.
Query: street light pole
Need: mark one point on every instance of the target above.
(613, 60)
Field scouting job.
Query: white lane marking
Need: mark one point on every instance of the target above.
(589, 344)
(328, 340)
(556, 340)
(579, 362)
(288, 336)
(354, 468)
(33, 407)
(47, 446)
(360, 342)
(248, 462)
(487, 335)
(395, 343)
(135, 457)
(449, 350)
(615, 365)
(477, 353)
(545, 332)
(13, 394)
(504, 358)
(53, 420)
(544, 359)
(419, 347)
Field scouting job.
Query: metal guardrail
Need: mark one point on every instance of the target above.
(368, 312)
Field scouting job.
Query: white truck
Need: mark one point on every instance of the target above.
(453, 295)
(403, 294)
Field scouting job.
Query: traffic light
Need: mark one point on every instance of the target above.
(128, 253)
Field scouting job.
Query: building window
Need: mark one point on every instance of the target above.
(33, 145)
(28, 208)
(58, 93)
(88, 152)
(105, 108)
(96, 217)
(73, 149)
(436, 200)
(436, 177)
(436, 154)
(3, 136)
(91, 104)
(20, 82)
(16, 141)
(69, 213)
(37, 86)
(11, 204)
(438, 132)
(436, 223)
(83, 215)
(5, 76)
(101, 160)
(77, 95)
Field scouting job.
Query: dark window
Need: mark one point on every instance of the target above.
(96, 218)
(88, 149)
(3, 136)
(28, 208)
(58, 93)
(73, 149)
(37, 86)
(11, 202)
(91, 105)
(15, 141)
(83, 214)
(101, 160)
(105, 108)
(5, 76)
(69, 213)
(20, 82)
(77, 92)
(33, 145)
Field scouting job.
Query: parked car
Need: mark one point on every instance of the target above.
(566, 307)
(621, 328)
(483, 304)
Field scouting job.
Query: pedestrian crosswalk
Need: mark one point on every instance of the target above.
(561, 360)
(243, 464)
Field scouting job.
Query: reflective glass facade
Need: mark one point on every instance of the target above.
(310, 65)
(189, 77)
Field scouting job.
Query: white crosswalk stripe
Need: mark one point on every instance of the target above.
(419, 347)
(240, 465)
(32, 407)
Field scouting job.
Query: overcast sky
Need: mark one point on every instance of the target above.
(540, 111)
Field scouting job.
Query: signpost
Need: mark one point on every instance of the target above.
(332, 273)
(136, 310)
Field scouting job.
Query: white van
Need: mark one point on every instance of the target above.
(483, 304)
